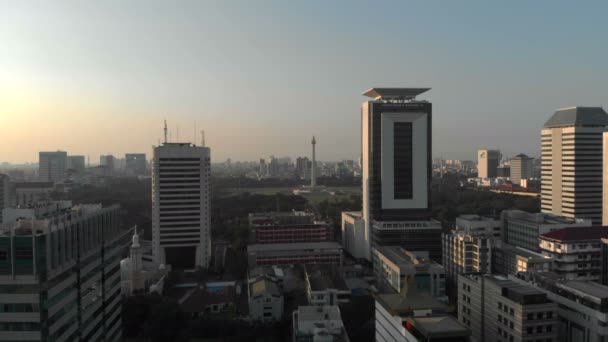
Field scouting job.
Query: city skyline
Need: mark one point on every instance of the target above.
(97, 78)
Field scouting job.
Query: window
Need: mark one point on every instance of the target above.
(530, 316)
(549, 314)
(511, 324)
(3, 255)
(511, 312)
(540, 315)
(549, 328)
(23, 252)
(529, 330)
(539, 329)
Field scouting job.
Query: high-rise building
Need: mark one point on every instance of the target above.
(136, 163)
(52, 166)
(605, 179)
(109, 161)
(76, 164)
(571, 173)
(60, 275)
(487, 163)
(181, 227)
(397, 170)
(313, 170)
(498, 309)
(522, 167)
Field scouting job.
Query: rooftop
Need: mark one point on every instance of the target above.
(325, 276)
(401, 305)
(586, 288)
(292, 246)
(319, 313)
(264, 286)
(577, 234)
(540, 218)
(394, 93)
(578, 116)
(440, 327)
(402, 257)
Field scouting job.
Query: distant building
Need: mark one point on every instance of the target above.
(353, 234)
(325, 285)
(487, 163)
(294, 253)
(571, 172)
(582, 306)
(136, 164)
(52, 166)
(29, 193)
(76, 164)
(5, 190)
(275, 229)
(60, 276)
(415, 317)
(397, 171)
(318, 323)
(522, 167)
(109, 161)
(498, 309)
(181, 209)
(521, 229)
(576, 251)
(503, 171)
(399, 268)
(265, 300)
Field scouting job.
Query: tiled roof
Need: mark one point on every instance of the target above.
(577, 233)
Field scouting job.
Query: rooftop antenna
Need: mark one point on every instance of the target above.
(203, 138)
(194, 136)
(165, 131)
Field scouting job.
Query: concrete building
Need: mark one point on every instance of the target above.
(605, 261)
(508, 259)
(325, 285)
(136, 164)
(605, 179)
(502, 310)
(109, 161)
(353, 234)
(400, 269)
(582, 305)
(571, 172)
(468, 248)
(60, 276)
(5, 190)
(181, 222)
(76, 164)
(503, 171)
(269, 230)
(416, 317)
(576, 251)
(487, 163)
(522, 167)
(318, 323)
(29, 193)
(294, 253)
(52, 166)
(265, 300)
(397, 171)
(522, 229)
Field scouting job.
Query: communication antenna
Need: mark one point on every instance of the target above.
(165, 131)
(203, 138)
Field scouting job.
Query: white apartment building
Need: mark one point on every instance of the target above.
(181, 231)
(571, 163)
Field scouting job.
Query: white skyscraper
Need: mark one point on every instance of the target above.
(487, 163)
(181, 228)
(571, 154)
(52, 166)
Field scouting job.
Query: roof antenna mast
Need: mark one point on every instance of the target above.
(165, 131)
(203, 138)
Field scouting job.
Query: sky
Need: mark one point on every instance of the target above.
(262, 77)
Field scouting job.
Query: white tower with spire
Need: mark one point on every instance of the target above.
(313, 168)
(137, 280)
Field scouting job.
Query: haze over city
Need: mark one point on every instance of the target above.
(97, 78)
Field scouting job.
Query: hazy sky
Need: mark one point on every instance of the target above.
(261, 77)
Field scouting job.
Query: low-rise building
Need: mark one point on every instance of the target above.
(318, 323)
(30, 193)
(265, 300)
(522, 229)
(412, 235)
(582, 305)
(399, 269)
(413, 317)
(498, 309)
(576, 251)
(209, 299)
(508, 259)
(325, 285)
(353, 234)
(294, 253)
(272, 232)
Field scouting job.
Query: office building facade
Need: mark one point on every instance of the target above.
(181, 227)
(522, 167)
(52, 166)
(76, 164)
(136, 164)
(487, 163)
(60, 276)
(500, 310)
(397, 170)
(571, 171)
